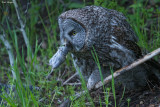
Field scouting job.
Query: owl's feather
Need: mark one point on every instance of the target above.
(113, 40)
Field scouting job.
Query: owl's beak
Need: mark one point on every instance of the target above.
(59, 57)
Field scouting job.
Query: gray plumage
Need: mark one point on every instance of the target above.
(114, 42)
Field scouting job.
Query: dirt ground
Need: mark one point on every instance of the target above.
(148, 96)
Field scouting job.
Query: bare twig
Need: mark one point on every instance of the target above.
(70, 78)
(10, 53)
(127, 68)
(22, 29)
(22, 26)
(73, 84)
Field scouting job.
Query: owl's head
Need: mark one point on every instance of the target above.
(88, 27)
(72, 34)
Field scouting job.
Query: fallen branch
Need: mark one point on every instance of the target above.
(129, 67)
(22, 26)
(22, 29)
(117, 73)
(10, 53)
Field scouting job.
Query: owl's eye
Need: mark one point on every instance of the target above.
(72, 33)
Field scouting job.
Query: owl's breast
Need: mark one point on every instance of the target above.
(83, 65)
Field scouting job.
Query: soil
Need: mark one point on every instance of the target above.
(148, 96)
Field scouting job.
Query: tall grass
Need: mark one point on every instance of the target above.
(33, 70)
(23, 95)
(106, 90)
(140, 19)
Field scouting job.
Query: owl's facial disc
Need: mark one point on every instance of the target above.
(72, 36)
(73, 33)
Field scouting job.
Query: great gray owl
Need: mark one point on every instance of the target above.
(109, 34)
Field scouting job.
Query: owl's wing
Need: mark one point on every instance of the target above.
(130, 45)
(138, 52)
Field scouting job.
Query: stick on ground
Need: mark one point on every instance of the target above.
(129, 67)
(118, 72)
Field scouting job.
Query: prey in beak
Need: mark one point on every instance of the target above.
(58, 58)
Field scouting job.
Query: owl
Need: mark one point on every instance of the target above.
(107, 34)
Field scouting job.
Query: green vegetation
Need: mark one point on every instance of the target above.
(31, 65)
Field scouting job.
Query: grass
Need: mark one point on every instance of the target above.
(95, 56)
(42, 29)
